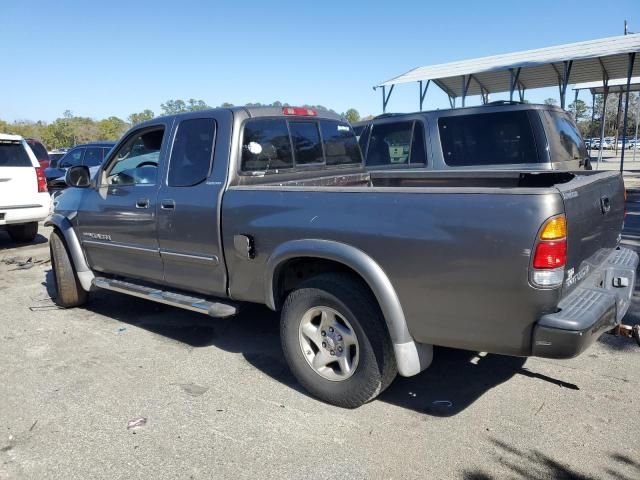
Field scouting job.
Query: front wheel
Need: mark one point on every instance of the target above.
(69, 292)
(335, 340)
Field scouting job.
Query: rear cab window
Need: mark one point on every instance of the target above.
(14, 154)
(499, 138)
(273, 145)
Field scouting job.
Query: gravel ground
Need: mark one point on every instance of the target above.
(220, 402)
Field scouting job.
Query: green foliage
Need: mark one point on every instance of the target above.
(136, 118)
(171, 107)
(351, 115)
(69, 129)
(579, 110)
(111, 128)
(551, 101)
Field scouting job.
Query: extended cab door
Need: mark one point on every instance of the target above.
(117, 218)
(189, 203)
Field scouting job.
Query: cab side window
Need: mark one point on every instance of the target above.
(192, 154)
(136, 162)
(72, 158)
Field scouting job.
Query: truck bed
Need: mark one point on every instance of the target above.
(456, 245)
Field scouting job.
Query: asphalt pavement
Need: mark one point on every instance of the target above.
(124, 388)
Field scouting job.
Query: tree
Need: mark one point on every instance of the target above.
(551, 101)
(173, 106)
(195, 105)
(111, 128)
(352, 115)
(579, 110)
(226, 105)
(178, 106)
(136, 118)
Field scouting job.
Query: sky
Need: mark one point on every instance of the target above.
(114, 57)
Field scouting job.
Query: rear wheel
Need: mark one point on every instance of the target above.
(69, 292)
(335, 340)
(23, 233)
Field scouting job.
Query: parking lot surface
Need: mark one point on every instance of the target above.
(214, 399)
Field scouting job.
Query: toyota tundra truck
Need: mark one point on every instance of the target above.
(209, 210)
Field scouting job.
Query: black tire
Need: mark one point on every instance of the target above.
(69, 292)
(23, 233)
(346, 294)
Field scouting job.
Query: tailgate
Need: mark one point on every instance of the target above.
(18, 186)
(594, 205)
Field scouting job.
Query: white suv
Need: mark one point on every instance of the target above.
(24, 200)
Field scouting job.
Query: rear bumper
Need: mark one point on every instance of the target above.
(593, 308)
(27, 213)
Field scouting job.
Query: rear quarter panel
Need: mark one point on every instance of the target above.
(458, 261)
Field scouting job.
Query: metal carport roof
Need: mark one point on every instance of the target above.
(615, 86)
(593, 60)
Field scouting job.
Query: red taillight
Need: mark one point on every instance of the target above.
(550, 254)
(42, 180)
(310, 112)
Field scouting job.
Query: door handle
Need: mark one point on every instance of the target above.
(142, 203)
(605, 204)
(167, 204)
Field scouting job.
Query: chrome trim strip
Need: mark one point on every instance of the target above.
(213, 259)
(108, 245)
(15, 207)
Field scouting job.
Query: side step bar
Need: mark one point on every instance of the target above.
(195, 304)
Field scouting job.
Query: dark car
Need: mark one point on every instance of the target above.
(56, 155)
(39, 151)
(88, 154)
(497, 136)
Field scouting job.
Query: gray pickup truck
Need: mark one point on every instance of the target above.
(370, 270)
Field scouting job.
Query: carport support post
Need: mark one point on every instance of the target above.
(385, 98)
(423, 93)
(465, 87)
(604, 109)
(593, 116)
(632, 59)
(564, 81)
(515, 76)
(575, 105)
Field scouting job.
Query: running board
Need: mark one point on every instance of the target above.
(195, 304)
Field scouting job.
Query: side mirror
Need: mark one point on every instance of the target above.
(78, 176)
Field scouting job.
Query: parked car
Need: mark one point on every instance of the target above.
(56, 155)
(39, 151)
(498, 136)
(370, 269)
(24, 200)
(88, 154)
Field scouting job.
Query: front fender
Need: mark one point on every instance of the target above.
(63, 225)
(411, 357)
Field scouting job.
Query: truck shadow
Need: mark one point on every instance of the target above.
(535, 464)
(7, 243)
(455, 380)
